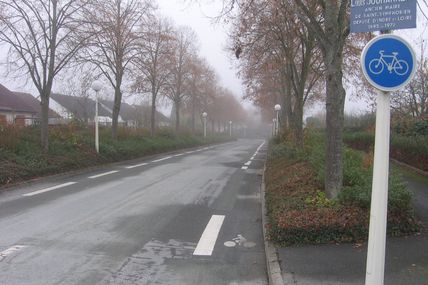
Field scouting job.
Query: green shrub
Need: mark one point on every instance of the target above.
(299, 211)
(283, 150)
(72, 147)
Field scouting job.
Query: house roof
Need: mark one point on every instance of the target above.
(81, 107)
(132, 112)
(84, 108)
(144, 109)
(17, 102)
(33, 103)
(127, 112)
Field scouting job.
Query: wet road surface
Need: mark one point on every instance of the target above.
(189, 217)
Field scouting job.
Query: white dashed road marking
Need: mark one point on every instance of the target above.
(209, 237)
(103, 174)
(11, 250)
(48, 189)
(137, 165)
(245, 167)
(162, 159)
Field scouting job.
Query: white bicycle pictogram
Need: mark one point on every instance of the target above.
(399, 66)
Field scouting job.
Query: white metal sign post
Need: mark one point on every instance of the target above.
(388, 63)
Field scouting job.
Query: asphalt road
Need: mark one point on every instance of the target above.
(190, 217)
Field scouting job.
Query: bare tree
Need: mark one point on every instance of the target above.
(78, 83)
(413, 100)
(331, 31)
(153, 61)
(279, 54)
(115, 25)
(184, 48)
(43, 36)
(199, 85)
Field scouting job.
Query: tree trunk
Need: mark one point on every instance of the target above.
(298, 122)
(116, 110)
(44, 122)
(153, 115)
(334, 123)
(193, 114)
(177, 116)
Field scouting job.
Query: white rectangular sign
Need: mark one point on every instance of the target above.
(380, 15)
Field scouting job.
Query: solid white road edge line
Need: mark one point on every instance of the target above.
(161, 159)
(137, 165)
(103, 174)
(48, 189)
(209, 237)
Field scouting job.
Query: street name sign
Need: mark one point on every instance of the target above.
(388, 62)
(380, 15)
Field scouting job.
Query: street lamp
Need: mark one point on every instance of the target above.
(96, 86)
(277, 109)
(204, 115)
(230, 128)
(273, 126)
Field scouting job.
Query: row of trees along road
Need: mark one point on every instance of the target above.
(124, 41)
(292, 52)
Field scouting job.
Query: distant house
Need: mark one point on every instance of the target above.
(136, 115)
(19, 108)
(143, 114)
(83, 109)
(78, 108)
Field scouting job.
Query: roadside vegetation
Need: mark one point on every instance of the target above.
(299, 211)
(409, 139)
(72, 147)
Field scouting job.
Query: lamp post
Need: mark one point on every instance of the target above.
(273, 126)
(230, 128)
(277, 109)
(96, 86)
(204, 116)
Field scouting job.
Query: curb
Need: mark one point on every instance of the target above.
(272, 260)
(412, 168)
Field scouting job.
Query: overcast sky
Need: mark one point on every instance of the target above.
(212, 39)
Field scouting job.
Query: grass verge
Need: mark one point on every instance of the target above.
(299, 212)
(72, 147)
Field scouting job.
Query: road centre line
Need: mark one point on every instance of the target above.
(103, 174)
(137, 165)
(209, 237)
(248, 163)
(162, 159)
(48, 189)
(244, 167)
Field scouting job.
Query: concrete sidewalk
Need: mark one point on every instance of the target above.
(406, 260)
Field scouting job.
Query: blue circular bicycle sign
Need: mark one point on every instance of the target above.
(388, 62)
